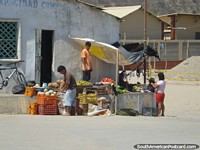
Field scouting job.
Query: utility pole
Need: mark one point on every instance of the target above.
(145, 38)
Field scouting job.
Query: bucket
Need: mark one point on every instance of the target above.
(30, 91)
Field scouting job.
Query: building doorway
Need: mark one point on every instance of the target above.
(44, 55)
(197, 35)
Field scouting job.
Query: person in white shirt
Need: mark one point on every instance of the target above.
(160, 93)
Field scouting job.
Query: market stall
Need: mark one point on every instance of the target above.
(118, 55)
(105, 91)
(49, 100)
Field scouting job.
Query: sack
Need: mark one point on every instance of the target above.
(18, 89)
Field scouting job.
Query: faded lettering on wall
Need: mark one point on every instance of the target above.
(45, 4)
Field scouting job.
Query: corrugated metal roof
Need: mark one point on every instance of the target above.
(176, 14)
(121, 12)
(88, 4)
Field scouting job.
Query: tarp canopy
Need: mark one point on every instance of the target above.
(135, 52)
(103, 51)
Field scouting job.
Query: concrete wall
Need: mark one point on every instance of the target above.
(133, 26)
(65, 18)
(17, 104)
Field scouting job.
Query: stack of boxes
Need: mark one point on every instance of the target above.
(47, 105)
(89, 96)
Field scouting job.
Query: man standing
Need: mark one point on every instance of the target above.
(87, 65)
(70, 87)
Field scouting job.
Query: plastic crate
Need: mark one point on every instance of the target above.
(30, 91)
(82, 98)
(46, 100)
(88, 98)
(80, 88)
(41, 96)
(47, 109)
(101, 90)
(90, 90)
(92, 99)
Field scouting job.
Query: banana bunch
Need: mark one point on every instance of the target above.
(137, 88)
(121, 90)
(82, 82)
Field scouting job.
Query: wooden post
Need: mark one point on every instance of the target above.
(145, 37)
(116, 77)
(173, 32)
(180, 50)
(187, 55)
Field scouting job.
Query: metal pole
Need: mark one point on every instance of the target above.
(116, 77)
(145, 37)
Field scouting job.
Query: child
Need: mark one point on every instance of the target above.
(150, 87)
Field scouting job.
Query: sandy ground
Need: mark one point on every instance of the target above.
(182, 99)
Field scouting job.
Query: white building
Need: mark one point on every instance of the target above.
(38, 31)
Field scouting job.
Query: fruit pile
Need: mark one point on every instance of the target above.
(137, 88)
(121, 90)
(107, 80)
(82, 82)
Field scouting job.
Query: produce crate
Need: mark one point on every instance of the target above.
(46, 100)
(82, 98)
(33, 108)
(80, 88)
(102, 90)
(47, 109)
(90, 90)
(30, 91)
(88, 98)
(92, 98)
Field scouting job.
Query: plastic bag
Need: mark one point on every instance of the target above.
(18, 89)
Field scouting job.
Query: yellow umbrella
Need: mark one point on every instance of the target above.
(103, 51)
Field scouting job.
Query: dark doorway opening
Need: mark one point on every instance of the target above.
(47, 54)
(197, 35)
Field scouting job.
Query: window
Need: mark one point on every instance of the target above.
(197, 35)
(8, 40)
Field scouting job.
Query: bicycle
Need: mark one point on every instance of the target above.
(14, 72)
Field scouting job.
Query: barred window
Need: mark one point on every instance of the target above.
(8, 40)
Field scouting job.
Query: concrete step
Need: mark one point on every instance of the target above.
(14, 103)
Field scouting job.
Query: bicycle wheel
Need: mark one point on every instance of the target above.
(21, 79)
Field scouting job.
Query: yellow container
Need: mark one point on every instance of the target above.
(33, 108)
(82, 98)
(30, 91)
(88, 98)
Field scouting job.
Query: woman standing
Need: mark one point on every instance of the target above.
(160, 93)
